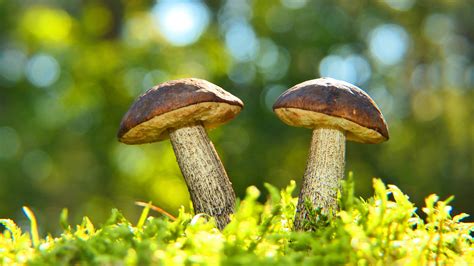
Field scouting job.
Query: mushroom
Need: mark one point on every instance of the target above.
(336, 111)
(181, 110)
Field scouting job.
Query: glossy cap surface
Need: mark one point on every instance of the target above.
(327, 102)
(175, 104)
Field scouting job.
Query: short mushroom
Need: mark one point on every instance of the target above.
(182, 110)
(336, 111)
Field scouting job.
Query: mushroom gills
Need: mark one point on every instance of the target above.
(214, 114)
(309, 119)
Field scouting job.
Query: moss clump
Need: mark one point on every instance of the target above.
(382, 230)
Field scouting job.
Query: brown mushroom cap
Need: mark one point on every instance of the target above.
(175, 104)
(326, 102)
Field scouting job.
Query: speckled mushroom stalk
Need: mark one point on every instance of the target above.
(324, 170)
(182, 110)
(336, 111)
(208, 185)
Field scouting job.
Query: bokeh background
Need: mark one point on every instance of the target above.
(69, 70)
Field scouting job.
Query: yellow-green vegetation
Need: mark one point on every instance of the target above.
(382, 230)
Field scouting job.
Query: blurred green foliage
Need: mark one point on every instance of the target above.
(70, 69)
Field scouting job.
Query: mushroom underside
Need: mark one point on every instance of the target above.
(310, 119)
(210, 114)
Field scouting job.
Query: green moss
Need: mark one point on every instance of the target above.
(381, 230)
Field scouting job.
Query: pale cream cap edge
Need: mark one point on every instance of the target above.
(309, 119)
(210, 114)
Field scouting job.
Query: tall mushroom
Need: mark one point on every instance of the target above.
(181, 110)
(336, 111)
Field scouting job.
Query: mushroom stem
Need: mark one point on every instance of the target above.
(209, 187)
(324, 170)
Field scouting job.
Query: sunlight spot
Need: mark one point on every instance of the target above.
(437, 27)
(418, 77)
(294, 4)
(47, 24)
(9, 143)
(454, 71)
(426, 105)
(353, 68)
(42, 70)
(400, 5)
(268, 55)
(232, 10)
(50, 112)
(469, 77)
(37, 164)
(242, 73)
(272, 61)
(270, 94)
(153, 78)
(181, 22)
(132, 79)
(278, 19)
(12, 63)
(172, 190)
(132, 161)
(97, 18)
(384, 100)
(139, 30)
(426, 76)
(237, 140)
(454, 44)
(84, 122)
(388, 43)
(192, 68)
(241, 41)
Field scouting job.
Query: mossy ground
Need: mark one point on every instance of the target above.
(382, 230)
